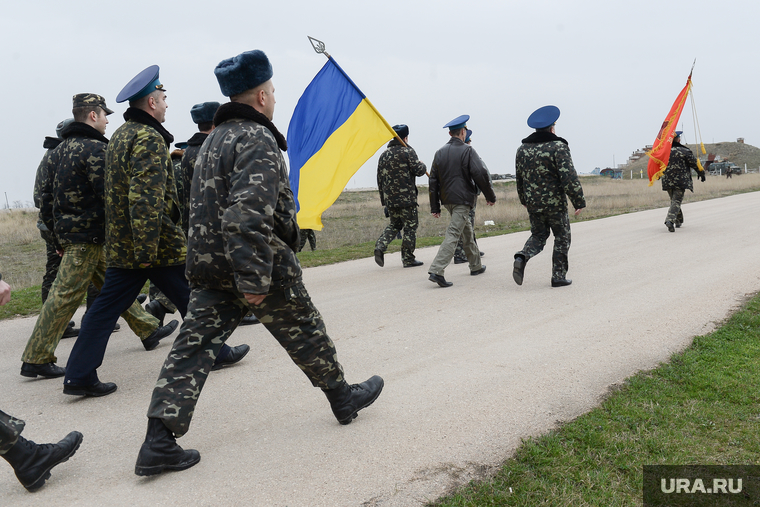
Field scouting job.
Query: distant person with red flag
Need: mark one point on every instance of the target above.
(677, 178)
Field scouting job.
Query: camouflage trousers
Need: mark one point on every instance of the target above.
(459, 227)
(541, 224)
(212, 315)
(459, 252)
(80, 265)
(308, 235)
(675, 215)
(51, 265)
(405, 219)
(10, 429)
(156, 295)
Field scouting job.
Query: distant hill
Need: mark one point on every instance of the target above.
(738, 153)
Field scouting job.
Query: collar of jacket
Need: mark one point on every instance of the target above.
(394, 142)
(676, 144)
(82, 129)
(543, 137)
(455, 140)
(141, 116)
(197, 139)
(238, 110)
(51, 142)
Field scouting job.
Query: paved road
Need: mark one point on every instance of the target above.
(469, 370)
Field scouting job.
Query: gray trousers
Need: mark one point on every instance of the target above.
(459, 227)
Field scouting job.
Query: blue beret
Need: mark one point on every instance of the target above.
(243, 72)
(458, 122)
(141, 85)
(543, 117)
(401, 130)
(467, 138)
(678, 133)
(181, 146)
(204, 113)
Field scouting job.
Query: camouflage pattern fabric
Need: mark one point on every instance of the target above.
(156, 295)
(459, 227)
(143, 221)
(78, 213)
(80, 265)
(541, 224)
(188, 169)
(308, 235)
(243, 233)
(545, 175)
(51, 266)
(678, 172)
(675, 214)
(287, 313)
(405, 219)
(43, 175)
(397, 170)
(10, 429)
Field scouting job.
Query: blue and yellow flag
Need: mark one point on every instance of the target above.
(333, 131)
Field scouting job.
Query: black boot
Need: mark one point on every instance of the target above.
(160, 451)
(347, 400)
(158, 310)
(33, 462)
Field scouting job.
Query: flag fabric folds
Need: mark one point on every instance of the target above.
(660, 152)
(334, 130)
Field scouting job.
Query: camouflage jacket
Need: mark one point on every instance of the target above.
(78, 211)
(243, 231)
(397, 173)
(545, 175)
(678, 172)
(142, 214)
(41, 178)
(456, 175)
(188, 167)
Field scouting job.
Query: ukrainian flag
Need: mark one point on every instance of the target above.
(334, 130)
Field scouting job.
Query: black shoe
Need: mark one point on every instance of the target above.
(519, 270)
(482, 254)
(33, 462)
(460, 260)
(670, 227)
(95, 390)
(141, 298)
(561, 283)
(347, 400)
(47, 370)
(158, 310)
(116, 327)
(234, 355)
(379, 257)
(71, 324)
(70, 331)
(249, 320)
(413, 264)
(440, 280)
(678, 225)
(479, 271)
(151, 342)
(160, 451)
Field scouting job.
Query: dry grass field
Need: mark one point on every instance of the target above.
(357, 217)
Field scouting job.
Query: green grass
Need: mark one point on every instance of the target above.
(702, 407)
(23, 302)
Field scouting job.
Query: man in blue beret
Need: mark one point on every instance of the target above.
(677, 179)
(459, 256)
(242, 240)
(397, 171)
(545, 179)
(144, 237)
(456, 176)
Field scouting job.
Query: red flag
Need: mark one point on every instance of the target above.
(660, 152)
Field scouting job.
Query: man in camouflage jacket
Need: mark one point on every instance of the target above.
(677, 179)
(144, 238)
(77, 218)
(243, 240)
(397, 173)
(546, 177)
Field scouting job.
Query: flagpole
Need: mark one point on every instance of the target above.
(319, 47)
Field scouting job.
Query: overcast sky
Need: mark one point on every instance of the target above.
(613, 68)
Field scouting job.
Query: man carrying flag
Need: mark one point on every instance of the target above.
(242, 245)
(677, 178)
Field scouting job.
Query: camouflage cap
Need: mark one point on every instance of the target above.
(90, 100)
